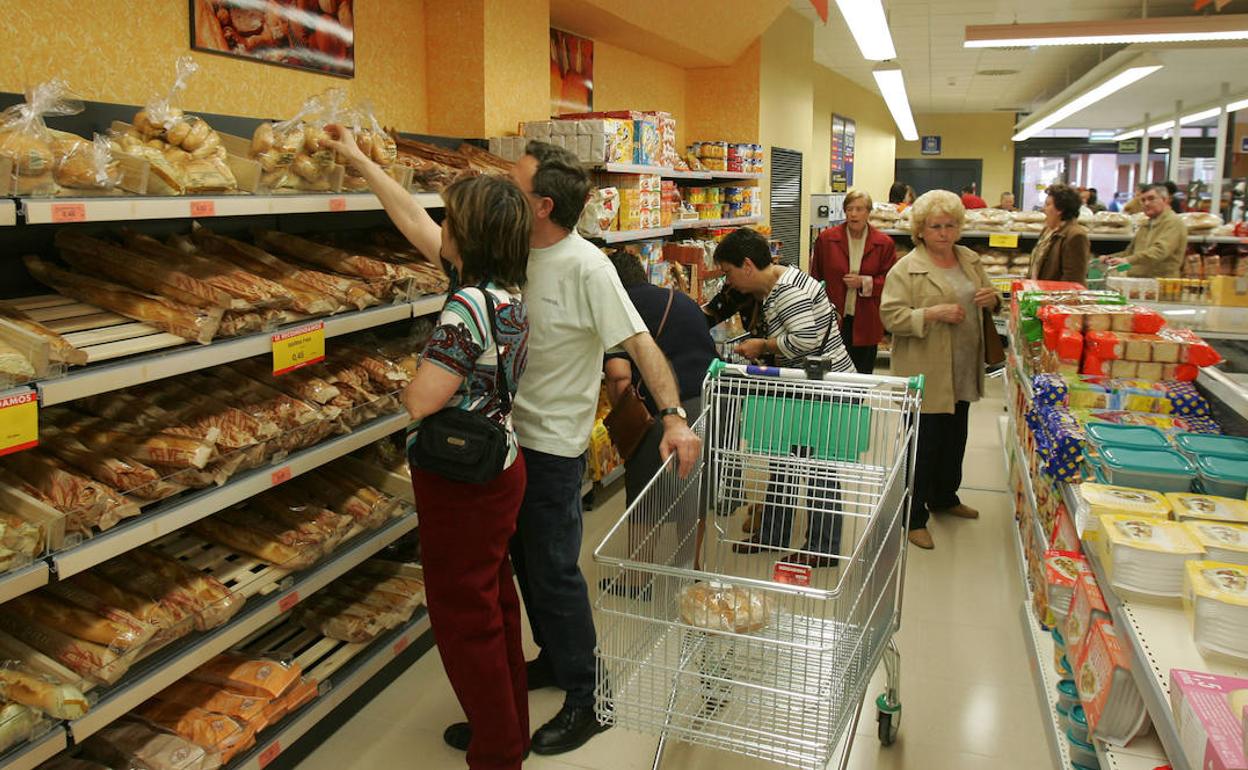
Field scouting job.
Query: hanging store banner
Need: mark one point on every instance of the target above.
(571, 73)
(317, 36)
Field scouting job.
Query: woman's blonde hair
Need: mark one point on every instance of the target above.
(935, 203)
(858, 195)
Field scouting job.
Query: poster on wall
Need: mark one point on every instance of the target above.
(571, 73)
(841, 168)
(316, 35)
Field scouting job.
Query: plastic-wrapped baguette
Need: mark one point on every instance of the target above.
(250, 291)
(189, 323)
(106, 260)
(62, 350)
(328, 257)
(62, 701)
(119, 635)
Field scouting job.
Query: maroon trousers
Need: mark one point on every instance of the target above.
(474, 609)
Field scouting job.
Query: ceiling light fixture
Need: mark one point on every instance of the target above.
(893, 87)
(1124, 136)
(1202, 115)
(1170, 29)
(1237, 106)
(869, 27)
(1139, 69)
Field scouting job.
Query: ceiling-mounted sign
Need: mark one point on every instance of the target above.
(930, 145)
(1129, 147)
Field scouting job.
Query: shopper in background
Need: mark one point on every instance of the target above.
(799, 322)
(1176, 198)
(1094, 201)
(933, 305)
(1007, 202)
(970, 200)
(1063, 251)
(1135, 205)
(1160, 243)
(577, 311)
(465, 528)
(900, 195)
(852, 259)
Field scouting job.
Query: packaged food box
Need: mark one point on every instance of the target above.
(1223, 476)
(1165, 470)
(1087, 605)
(1208, 711)
(1111, 701)
(1062, 570)
(1190, 505)
(1146, 555)
(1223, 542)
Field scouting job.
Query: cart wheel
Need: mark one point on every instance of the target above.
(889, 720)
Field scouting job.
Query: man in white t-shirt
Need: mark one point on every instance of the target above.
(578, 310)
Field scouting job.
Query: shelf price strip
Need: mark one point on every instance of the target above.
(203, 208)
(299, 347)
(19, 422)
(68, 212)
(1003, 240)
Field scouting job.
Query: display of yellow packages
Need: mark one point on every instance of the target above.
(1099, 500)
(1188, 505)
(1215, 595)
(1146, 555)
(1221, 541)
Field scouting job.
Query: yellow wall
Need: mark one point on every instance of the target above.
(124, 51)
(979, 135)
(875, 142)
(457, 96)
(625, 80)
(723, 102)
(517, 64)
(786, 108)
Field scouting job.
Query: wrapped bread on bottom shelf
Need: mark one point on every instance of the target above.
(133, 743)
(376, 597)
(217, 733)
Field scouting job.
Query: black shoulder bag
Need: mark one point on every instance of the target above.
(462, 445)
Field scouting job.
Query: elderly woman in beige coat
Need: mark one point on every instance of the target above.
(932, 304)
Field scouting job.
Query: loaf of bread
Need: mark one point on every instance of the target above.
(78, 622)
(61, 701)
(722, 607)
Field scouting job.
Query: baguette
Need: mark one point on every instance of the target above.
(170, 620)
(89, 660)
(60, 701)
(250, 291)
(251, 542)
(62, 350)
(80, 623)
(314, 293)
(328, 257)
(137, 270)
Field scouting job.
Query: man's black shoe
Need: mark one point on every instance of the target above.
(571, 729)
(539, 674)
(459, 735)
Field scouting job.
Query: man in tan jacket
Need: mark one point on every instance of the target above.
(1158, 247)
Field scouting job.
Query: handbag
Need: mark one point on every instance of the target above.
(994, 351)
(629, 419)
(462, 445)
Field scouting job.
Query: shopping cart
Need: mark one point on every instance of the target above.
(785, 681)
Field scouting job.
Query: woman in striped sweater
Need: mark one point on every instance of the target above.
(797, 321)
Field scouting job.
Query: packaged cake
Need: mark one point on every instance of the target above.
(1147, 555)
(1215, 595)
(1221, 541)
(1189, 505)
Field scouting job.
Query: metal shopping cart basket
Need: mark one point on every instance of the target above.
(779, 667)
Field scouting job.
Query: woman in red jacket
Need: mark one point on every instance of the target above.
(852, 260)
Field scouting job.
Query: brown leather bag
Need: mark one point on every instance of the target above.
(994, 351)
(629, 419)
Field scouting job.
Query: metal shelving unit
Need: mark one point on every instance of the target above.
(163, 669)
(334, 691)
(698, 224)
(8, 213)
(31, 754)
(42, 211)
(624, 236)
(187, 510)
(23, 579)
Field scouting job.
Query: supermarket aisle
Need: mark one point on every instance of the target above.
(967, 691)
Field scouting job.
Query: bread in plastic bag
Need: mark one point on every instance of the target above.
(26, 141)
(723, 607)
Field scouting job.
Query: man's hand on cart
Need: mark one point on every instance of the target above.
(680, 439)
(752, 349)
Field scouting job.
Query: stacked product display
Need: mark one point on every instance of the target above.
(1128, 495)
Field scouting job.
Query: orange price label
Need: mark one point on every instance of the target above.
(281, 475)
(298, 347)
(269, 754)
(68, 212)
(791, 574)
(289, 600)
(203, 208)
(19, 422)
(402, 645)
(338, 203)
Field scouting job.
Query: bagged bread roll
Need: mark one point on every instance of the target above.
(723, 607)
(61, 701)
(82, 164)
(26, 141)
(242, 673)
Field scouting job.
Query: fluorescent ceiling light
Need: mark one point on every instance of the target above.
(1136, 134)
(1171, 29)
(1088, 98)
(1158, 128)
(1237, 106)
(869, 27)
(1195, 116)
(893, 87)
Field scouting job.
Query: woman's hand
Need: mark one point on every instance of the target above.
(986, 297)
(949, 314)
(753, 349)
(342, 141)
(853, 280)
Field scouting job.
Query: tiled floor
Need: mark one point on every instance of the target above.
(969, 702)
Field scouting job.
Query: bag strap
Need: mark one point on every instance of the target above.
(671, 295)
(500, 370)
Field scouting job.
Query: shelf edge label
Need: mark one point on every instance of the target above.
(288, 601)
(1003, 240)
(203, 208)
(337, 203)
(402, 644)
(19, 422)
(68, 212)
(298, 347)
(268, 755)
(280, 476)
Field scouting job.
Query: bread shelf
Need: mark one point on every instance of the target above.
(699, 224)
(8, 213)
(186, 510)
(23, 579)
(335, 690)
(624, 236)
(32, 753)
(42, 211)
(166, 667)
(187, 357)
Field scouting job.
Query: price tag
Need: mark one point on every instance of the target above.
(298, 347)
(268, 755)
(19, 422)
(289, 600)
(203, 208)
(338, 203)
(1003, 240)
(791, 574)
(402, 645)
(280, 476)
(68, 212)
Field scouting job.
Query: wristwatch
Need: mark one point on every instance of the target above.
(679, 411)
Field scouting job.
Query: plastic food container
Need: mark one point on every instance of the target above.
(1200, 444)
(1164, 470)
(1059, 650)
(1067, 695)
(1079, 724)
(1082, 753)
(1063, 719)
(1138, 436)
(1224, 476)
(1064, 669)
